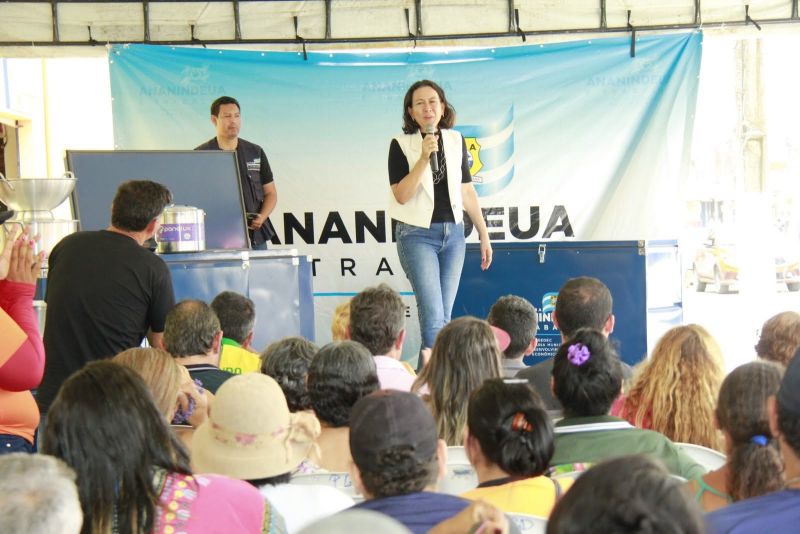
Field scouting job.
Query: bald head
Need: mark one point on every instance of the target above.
(190, 329)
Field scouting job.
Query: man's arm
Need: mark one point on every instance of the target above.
(155, 339)
(270, 200)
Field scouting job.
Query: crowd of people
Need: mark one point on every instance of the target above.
(201, 433)
(162, 439)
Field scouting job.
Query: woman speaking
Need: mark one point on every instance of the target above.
(431, 185)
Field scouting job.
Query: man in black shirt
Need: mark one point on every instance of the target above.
(105, 290)
(258, 188)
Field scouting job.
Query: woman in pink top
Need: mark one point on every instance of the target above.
(133, 473)
(21, 349)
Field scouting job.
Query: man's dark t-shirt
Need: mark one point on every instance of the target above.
(419, 512)
(104, 292)
(254, 174)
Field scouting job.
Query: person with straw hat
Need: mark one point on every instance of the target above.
(251, 435)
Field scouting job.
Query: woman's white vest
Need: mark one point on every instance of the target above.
(418, 210)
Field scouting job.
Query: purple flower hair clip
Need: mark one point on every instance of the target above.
(578, 353)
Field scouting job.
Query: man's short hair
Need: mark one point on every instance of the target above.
(582, 302)
(377, 316)
(189, 329)
(518, 318)
(38, 495)
(136, 203)
(780, 337)
(393, 442)
(236, 314)
(221, 101)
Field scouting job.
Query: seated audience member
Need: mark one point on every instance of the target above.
(21, 350)
(237, 318)
(38, 495)
(587, 377)
(172, 388)
(583, 302)
(287, 361)
(465, 354)
(133, 473)
(778, 511)
(397, 460)
(517, 317)
(165, 378)
(675, 390)
(193, 336)
(340, 374)
(377, 321)
(627, 495)
(340, 321)
(780, 338)
(754, 465)
(251, 435)
(510, 443)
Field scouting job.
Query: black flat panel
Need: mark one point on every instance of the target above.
(205, 179)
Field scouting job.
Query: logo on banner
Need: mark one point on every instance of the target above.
(194, 75)
(549, 302)
(490, 150)
(473, 155)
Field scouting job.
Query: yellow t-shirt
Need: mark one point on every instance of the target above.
(532, 496)
(238, 360)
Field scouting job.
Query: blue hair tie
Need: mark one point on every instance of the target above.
(760, 440)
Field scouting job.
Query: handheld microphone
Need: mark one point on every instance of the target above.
(430, 129)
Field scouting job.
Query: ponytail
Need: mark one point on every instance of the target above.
(755, 468)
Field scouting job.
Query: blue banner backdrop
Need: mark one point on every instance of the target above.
(568, 140)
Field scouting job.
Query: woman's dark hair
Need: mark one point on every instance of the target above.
(287, 361)
(589, 388)
(754, 468)
(340, 374)
(105, 425)
(512, 428)
(448, 117)
(630, 494)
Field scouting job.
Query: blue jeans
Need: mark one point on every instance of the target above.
(432, 259)
(9, 444)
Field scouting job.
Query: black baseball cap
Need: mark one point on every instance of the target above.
(387, 419)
